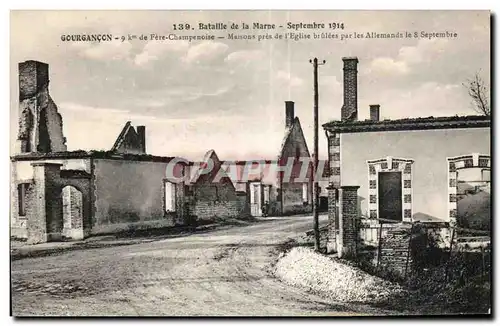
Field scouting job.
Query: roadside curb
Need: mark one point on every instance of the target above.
(33, 252)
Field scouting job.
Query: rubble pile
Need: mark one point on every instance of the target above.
(340, 282)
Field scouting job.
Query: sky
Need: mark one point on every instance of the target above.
(229, 95)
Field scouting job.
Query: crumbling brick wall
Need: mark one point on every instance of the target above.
(213, 201)
(402, 245)
(40, 124)
(211, 211)
(394, 253)
(243, 204)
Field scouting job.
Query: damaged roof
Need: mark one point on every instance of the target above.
(470, 121)
(121, 136)
(91, 154)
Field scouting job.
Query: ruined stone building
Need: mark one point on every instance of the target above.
(40, 125)
(403, 170)
(285, 182)
(211, 192)
(58, 194)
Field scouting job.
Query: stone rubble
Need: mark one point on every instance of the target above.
(340, 282)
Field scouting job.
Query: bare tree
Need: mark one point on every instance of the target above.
(479, 93)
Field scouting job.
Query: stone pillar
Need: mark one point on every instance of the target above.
(331, 240)
(36, 224)
(348, 229)
(333, 191)
(45, 212)
(180, 203)
(53, 198)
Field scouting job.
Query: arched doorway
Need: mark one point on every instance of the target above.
(72, 200)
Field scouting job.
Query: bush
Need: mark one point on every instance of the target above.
(440, 282)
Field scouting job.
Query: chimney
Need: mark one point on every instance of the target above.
(350, 107)
(141, 131)
(375, 112)
(33, 77)
(289, 113)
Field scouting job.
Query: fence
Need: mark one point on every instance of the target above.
(370, 231)
(399, 246)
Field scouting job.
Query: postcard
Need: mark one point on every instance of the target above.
(250, 163)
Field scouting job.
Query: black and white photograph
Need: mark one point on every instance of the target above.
(250, 163)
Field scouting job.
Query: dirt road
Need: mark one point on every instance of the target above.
(223, 272)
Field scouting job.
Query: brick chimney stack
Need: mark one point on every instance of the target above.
(375, 112)
(349, 110)
(289, 113)
(33, 77)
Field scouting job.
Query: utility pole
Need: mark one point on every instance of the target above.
(315, 156)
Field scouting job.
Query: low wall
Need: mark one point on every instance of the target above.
(394, 251)
(210, 211)
(369, 231)
(401, 244)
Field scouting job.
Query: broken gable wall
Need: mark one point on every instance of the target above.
(215, 197)
(291, 190)
(54, 123)
(130, 140)
(40, 124)
(213, 201)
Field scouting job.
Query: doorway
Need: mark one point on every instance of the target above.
(390, 192)
(256, 198)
